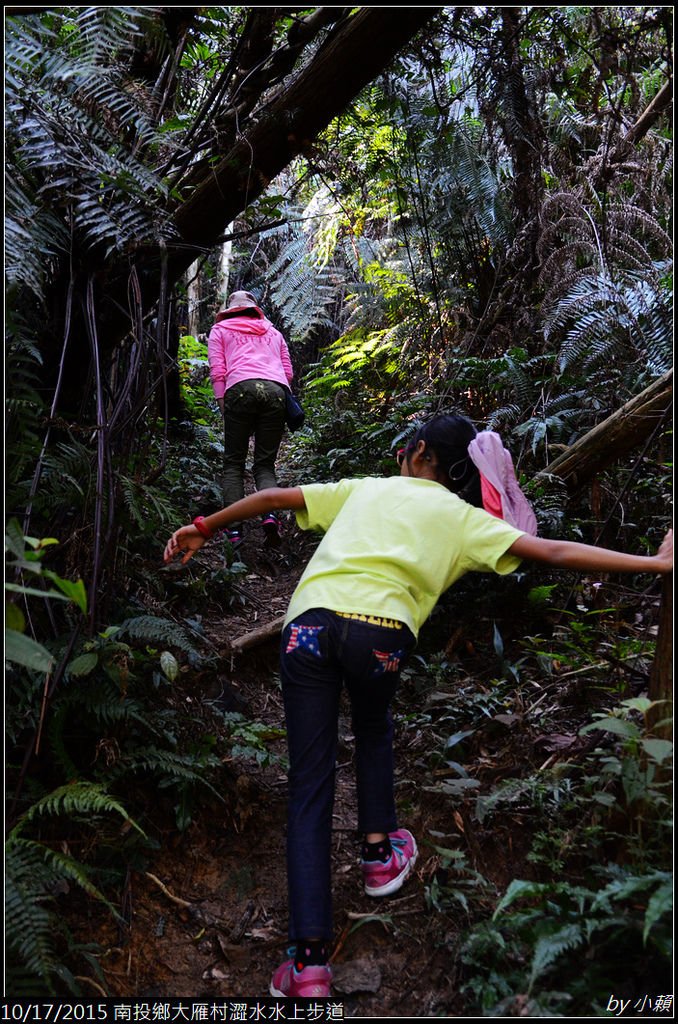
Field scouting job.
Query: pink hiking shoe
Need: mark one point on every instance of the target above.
(383, 878)
(273, 530)
(312, 981)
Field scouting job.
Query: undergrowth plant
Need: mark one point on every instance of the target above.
(99, 726)
(560, 948)
(597, 915)
(590, 911)
(39, 870)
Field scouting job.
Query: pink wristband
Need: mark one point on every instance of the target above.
(205, 531)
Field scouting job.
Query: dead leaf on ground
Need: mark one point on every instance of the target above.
(556, 741)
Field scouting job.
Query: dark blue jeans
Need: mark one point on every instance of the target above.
(320, 652)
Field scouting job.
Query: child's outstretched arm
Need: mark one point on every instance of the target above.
(189, 539)
(565, 554)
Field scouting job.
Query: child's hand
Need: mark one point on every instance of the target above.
(665, 553)
(185, 539)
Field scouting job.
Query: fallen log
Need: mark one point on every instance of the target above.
(258, 636)
(614, 437)
(601, 171)
(607, 442)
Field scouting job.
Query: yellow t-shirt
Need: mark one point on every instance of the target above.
(393, 545)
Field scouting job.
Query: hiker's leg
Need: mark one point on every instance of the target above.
(311, 684)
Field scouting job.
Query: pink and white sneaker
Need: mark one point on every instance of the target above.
(382, 878)
(310, 982)
(273, 530)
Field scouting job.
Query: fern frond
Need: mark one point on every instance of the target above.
(551, 944)
(147, 506)
(660, 905)
(84, 798)
(154, 629)
(517, 890)
(170, 767)
(29, 923)
(301, 291)
(629, 220)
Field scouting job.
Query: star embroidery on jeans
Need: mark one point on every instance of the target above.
(305, 637)
(388, 661)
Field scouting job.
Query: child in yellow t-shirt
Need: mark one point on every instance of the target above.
(391, 547)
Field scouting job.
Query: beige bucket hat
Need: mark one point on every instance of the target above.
(238, 301)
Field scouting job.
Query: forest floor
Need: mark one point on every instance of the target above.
(208, 918)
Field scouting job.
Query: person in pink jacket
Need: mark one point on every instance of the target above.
(250, 369)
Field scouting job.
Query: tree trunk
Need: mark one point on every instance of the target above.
(350, 59)
(661, 676)
(620, 433)
(522, 130)
(225, 268)
(193, 299)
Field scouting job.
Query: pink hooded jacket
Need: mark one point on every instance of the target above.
(244, 348)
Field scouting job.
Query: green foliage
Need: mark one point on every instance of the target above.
(541, 933)
(301, 290)
(634, 775)
(250, 740)
(589, 638)
(24, 405)
(123, 744)
(456, 884)
(594, 912)
(559, 945)
(36, 872)
(192, 474)
(558, 948)
(156, 630)
(25, 563)
(29, 925)
(79, 798)
(68, 110)
(195, 381)
(606, 296)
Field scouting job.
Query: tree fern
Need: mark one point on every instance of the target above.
(77, 133)
(28, 253)
(605, 298)
(300, 289)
